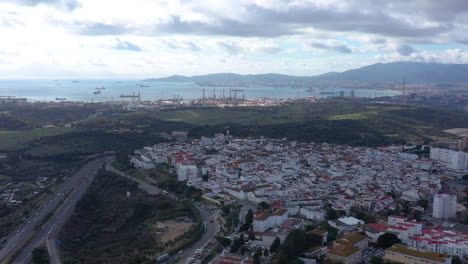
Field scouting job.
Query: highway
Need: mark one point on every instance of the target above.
(76, 185)
(212, 225)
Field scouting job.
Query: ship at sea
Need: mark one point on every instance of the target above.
(60, 99)
(327, 93)
(100, 88)
(97, 92)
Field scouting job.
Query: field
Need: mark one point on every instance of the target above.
(12, 140)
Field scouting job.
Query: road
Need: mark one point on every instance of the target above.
(76, 185)
(212, 225)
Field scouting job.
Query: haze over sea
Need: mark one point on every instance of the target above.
(82, 90)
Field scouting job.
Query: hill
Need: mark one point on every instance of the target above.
(412, 71)
(380, 72)
(231, 77)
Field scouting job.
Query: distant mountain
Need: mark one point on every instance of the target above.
(380, 72)
(412, 71)
(229, 78)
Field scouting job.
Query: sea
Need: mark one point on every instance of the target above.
(84, 90)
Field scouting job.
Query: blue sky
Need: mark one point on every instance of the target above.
(151, 38)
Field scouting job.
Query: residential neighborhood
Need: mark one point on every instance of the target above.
(304, 184)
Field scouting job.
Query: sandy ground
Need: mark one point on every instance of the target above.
(170, 229)
(461, 132)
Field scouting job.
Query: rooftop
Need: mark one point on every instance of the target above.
(351, 239)
(319, 232)
(344, 251)
(433, 256)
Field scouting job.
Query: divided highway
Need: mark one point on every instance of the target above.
(65, 199)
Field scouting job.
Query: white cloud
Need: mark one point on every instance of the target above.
(94, 38)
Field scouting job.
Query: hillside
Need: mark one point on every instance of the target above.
(232, 77)
(412, 71)
(380, 72)
(333, 122)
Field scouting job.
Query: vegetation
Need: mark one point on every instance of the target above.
(40, 256)
(106, 222)
(248, 221)
(376, 260)
(294, 244)
(13, 140)
(237, 243)
(423, 203)
(387, 240)
(456, 260)
(275, 245)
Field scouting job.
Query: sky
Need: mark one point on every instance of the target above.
(126, 39)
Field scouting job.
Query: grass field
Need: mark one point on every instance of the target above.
(11, 140)
(333, 122)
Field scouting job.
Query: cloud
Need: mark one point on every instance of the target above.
(224, 27)
(97, 29)
(185, 44)
(230, 47)
(66, 5)
(126, 45)
(405, 50)
(337, 47)
(269, 50)
(451, 56)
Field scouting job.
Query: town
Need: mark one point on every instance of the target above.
(348, 197)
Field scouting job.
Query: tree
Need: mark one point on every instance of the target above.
(251, 236)
(264, 205)
(256, 259)
(243, 250)
(205, 177)
(376, 260)
(331, 214)
(249, 217)
(369, 219)
(387, 240)
(266, 252)
(314, 239)
(237, 243)
(12, 158)
(293, 245)
(456, 260)
(423, 203)
(40, 256)
(225, 242)
(244, 227)
(274, 246)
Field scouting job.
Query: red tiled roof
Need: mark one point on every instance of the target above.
(377, 227)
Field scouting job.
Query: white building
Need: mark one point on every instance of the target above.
(441, 241)
(403, 228)
(186, 170)
(265, 221)
(311, 213)
(445, 206)
(139, 163)
(455, 160)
